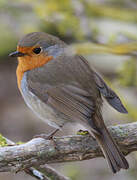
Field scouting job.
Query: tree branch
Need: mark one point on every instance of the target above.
(42, 172)
(64, 149)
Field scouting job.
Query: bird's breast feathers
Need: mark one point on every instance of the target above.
(40, 108)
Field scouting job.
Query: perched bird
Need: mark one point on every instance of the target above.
(61, 87)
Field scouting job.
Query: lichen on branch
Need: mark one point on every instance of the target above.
(39, 151)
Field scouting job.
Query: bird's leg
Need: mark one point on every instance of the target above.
(47, 136)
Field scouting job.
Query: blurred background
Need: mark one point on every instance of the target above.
(105, 31)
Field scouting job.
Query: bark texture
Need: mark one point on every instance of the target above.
(39, 151)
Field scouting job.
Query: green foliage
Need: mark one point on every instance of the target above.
(73, 172)
(59, 15)
(112, 12)
(83, 133)
(19, 142)
(2, 141)
(7, 41)
(132, 112)
(128, 73)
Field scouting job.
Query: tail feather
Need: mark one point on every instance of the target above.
(114, 156)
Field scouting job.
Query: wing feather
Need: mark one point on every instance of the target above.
(111, 97)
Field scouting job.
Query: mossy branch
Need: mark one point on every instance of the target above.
(39, 151)
(42, 172)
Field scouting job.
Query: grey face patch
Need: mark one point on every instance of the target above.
(54, 50)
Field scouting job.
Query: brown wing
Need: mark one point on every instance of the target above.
(67, 84)
(75, 103)
(111, 97)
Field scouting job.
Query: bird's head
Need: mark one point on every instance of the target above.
(36, 49)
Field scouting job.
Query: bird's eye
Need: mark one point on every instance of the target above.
(37, 50)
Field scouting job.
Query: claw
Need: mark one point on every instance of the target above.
(47, 136)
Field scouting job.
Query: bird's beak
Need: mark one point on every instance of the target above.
(16, 54)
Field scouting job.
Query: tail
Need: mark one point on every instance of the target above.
(113, 155)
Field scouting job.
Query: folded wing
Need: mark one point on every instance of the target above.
(111, 97)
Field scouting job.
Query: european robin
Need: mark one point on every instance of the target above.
(61, 87)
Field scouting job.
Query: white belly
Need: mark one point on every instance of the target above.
(41, 109)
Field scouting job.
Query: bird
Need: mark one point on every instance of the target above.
(62, 87)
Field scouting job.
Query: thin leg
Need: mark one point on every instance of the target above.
(47, 136)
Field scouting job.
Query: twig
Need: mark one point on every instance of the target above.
(50, 172)
(35, 173)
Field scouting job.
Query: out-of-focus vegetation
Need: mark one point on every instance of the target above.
(104, 31)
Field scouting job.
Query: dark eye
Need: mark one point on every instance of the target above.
(37, 50)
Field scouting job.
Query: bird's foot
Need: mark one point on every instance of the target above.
(47, 136)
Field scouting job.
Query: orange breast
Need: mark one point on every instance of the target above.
(28, 63)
